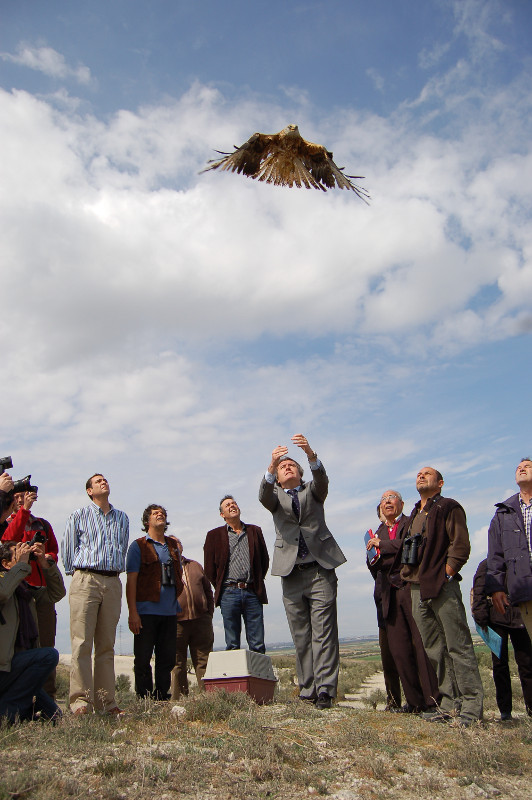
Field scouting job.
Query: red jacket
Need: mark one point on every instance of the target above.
(22, 527)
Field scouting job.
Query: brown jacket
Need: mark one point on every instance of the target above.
(446, 542)
(196, 599)
(216, 559)
(149, 578)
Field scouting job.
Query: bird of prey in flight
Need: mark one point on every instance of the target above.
(286, 159)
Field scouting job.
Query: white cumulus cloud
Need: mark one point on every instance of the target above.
(48, 61)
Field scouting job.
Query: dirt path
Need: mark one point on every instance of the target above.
(370, 685)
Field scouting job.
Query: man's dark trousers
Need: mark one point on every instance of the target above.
(158, 633)
(419, 681)
(501, 670)
(18, 687)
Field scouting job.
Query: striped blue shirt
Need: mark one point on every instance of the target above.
(95, 540)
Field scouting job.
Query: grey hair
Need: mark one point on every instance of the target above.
(397, 494)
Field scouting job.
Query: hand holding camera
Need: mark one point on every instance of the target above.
(21, 552)
(37, 551)
(6, 482)
(29, 499)
(37, 548)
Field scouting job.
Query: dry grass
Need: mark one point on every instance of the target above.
(227, 747)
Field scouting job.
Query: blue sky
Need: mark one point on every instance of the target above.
(170, 328)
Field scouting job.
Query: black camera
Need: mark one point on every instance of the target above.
(167, 574)
(38, 538)
(6, 463)
(411, 550)
(24, 485)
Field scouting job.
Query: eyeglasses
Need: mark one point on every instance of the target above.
(390, 497)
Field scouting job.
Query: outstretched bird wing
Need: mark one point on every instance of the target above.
(246, 158)
(286, 159)
(319, 162)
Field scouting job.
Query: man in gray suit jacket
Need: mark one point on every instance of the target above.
(305, 556)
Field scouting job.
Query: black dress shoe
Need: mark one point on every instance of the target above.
(324, 701)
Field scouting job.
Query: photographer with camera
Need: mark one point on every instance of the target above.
(24, 527)
(154, 583)
(8, 489)
(435, 548)
(6, 498)
(24, 665)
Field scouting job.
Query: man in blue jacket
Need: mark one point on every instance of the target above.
(510, 549)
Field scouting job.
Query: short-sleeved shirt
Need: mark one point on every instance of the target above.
(167, 605)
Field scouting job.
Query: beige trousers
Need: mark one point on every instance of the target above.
(95, 604)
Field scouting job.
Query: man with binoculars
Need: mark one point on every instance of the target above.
(154, 583)
(435, 548)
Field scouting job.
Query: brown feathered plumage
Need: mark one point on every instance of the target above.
(285, 159)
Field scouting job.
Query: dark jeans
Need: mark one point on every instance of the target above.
(236, 604)
(501, 670)
(29, 671)
(157, 634)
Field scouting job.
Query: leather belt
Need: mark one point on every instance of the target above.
(306, 565)
(238, 585)
(107, 573)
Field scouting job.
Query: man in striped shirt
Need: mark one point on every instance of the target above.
(94, 551)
